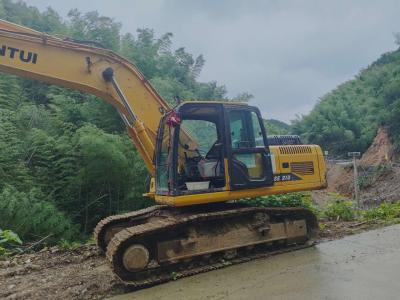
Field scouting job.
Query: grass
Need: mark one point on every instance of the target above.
(285, 200)
(338, 208)
(343, 210)
(388, 212)
(68, 245)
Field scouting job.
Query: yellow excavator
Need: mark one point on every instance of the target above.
(202, 156)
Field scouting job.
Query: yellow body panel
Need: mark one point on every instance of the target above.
(314, 181)
(204, 198)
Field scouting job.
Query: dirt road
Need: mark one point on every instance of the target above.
(363, 266)
(83, 273)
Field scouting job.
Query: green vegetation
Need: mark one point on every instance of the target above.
(286, 200)
(68, 245)
(31, 215)
(388, 212)
(65, 158)
(347, 118)
(276, 127)
(9, 242)
(340, 210)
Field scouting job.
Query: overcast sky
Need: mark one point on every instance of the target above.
(286, 53)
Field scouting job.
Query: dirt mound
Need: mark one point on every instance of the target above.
(379, 174)
(384, 188)
(380, 152)
(340, 179)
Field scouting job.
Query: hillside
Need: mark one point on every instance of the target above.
(276, 127)
(347, 118)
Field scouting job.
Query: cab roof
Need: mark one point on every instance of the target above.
(223, 102)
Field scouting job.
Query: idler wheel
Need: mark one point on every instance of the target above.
(135, 258)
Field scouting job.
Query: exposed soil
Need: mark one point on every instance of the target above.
(58, 274)
(83, 273)
(383, 189)
(340, 179)
(331, 230)
(382, 186)
(381, 150)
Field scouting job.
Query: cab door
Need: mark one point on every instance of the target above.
(248, 153)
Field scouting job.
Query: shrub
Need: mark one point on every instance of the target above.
(284, 200)
(386, 211)
(32, 216)
(9, 242)
(340, 210)
(68, 245)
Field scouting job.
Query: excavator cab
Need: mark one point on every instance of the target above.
(205, 147)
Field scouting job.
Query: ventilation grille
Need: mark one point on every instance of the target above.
(295, 149)
(276, 140)
(302, 168)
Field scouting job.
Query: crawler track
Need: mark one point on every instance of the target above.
(123, 220)
(151, 226)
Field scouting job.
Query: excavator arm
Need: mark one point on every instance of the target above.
(32, 54)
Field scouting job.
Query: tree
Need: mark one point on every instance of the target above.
(347, 118)
(91, 27)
